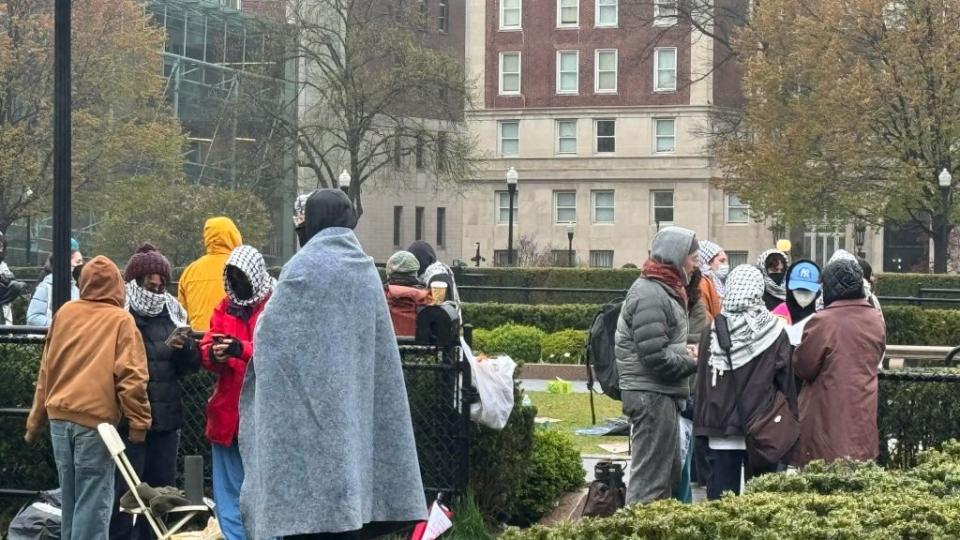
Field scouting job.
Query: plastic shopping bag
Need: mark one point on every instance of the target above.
(493, 379)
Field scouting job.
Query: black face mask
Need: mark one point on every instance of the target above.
(301, 235)
(240, 285)
(76, 273)
(777, 277)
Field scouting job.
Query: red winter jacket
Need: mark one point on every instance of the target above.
(403, 302)
(223, 408)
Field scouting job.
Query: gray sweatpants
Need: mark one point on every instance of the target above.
(655, 465)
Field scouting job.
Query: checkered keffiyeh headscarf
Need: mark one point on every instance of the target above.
(752, 328)
(249, 261)
(705, 253)
(778, 291)
(300, 208)
(150, 304)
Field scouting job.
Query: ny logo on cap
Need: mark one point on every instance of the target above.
(804, 273)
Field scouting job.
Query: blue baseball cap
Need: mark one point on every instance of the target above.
(804, 275)
(74, 245)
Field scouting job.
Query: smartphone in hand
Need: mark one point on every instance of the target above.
(179, 336)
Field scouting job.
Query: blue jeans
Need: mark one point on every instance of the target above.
(227, 480)
(86, 478)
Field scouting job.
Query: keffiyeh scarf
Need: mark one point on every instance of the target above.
(778, 291)
(706, 252)
(150, 304)
(249, 261)
(753, 329)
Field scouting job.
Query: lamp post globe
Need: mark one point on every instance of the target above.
(512, 178)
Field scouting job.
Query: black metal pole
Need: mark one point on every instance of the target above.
(61, 153)
(570, 249)
(511, 188)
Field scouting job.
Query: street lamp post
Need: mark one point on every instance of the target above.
(945, 180)
(860, 235)
(570, 229)
(345, 181)
(512, 178)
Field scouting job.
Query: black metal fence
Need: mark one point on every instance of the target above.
(438, 388)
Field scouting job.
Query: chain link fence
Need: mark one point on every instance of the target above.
(435, 379)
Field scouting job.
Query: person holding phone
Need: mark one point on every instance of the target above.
(158, 315)
(225, 350)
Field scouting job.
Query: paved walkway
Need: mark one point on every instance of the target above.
(540, 385)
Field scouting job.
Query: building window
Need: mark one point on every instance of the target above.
(602, 202)
(564, 258)
(661, 206)
(601, 258)
(568, 13)
(605, 78)
(418, 224)
(418, 152)
(501, 258)
(568, 72)
(819, 246)
(664, 12)
(665, 130)
(737, 210)
(509, 73)
(606, 12)
(606, 136)
(441, 227)
(737, 258)
(665, 69)
(564, 206)
(509, 138)
(503, 207)
(397, 226)
(443, 16)
(510, 14)
(566, 136)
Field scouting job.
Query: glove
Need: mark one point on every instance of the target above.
(235, 349)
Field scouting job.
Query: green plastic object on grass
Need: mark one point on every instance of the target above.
(559, 386)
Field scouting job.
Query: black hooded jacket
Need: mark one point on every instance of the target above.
(325, 209)
(842, 280)
(166, 367)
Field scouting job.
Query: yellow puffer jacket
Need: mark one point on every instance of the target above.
(201, 284)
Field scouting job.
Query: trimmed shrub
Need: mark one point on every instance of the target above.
(906, 325)
(910, 284)
(564, 347)
(555, 469)
(841, 500)
(521, 343)
(549, 318)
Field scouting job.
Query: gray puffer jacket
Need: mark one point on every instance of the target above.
(652, 331)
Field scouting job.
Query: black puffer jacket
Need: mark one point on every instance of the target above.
(166, 367)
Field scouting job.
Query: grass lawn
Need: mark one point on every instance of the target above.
(574, 411)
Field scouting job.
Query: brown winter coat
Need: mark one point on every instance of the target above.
(838, 362)
(94, 366)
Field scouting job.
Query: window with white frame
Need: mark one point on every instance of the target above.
(502, 200)
(509, 137)
(665, 69)
(665, 135)
(665, 12)
(606, 136)
(605, 78)
(443, 16)
(566, 136)
(737, 210)
(568, 13)
(511, 14)
(661, 206)
(564, 206)
(568, 72)
(601, 258)
(509, 73)
(819, 245)
(606, 13)
(736, 258)
(602, 202)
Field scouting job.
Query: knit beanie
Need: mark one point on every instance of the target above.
(74, 245)
(147, 260)
(404, 263)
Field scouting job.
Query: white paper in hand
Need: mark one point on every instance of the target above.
(437, 523)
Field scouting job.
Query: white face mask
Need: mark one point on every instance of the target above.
(804, 298)
(722, 272)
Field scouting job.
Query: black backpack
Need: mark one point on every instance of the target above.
(601, 360)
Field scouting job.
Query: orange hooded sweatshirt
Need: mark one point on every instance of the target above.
(201, 284)
(94, 367)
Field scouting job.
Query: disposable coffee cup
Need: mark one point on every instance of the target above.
(439, 292)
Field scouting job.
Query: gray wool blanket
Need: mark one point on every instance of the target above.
(325, 431)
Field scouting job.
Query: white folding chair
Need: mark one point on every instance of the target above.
(116, 448)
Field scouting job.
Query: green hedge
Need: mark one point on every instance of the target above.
(564, 347)
(555, 469)
(906, 325)
(839, 501)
